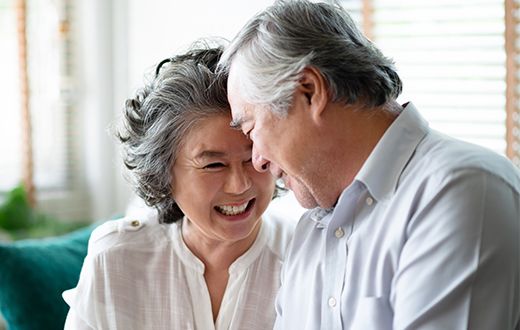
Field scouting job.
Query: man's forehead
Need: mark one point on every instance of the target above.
(234, 80)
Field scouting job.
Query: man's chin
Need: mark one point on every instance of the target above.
(304, 197)
(306, 201)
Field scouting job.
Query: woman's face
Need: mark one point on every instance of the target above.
(216, 186)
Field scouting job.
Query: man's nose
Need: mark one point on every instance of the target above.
(260, 163)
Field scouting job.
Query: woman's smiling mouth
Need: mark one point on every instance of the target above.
(231, 210)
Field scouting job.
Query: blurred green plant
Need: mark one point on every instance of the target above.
(15, 212)
(19, 220)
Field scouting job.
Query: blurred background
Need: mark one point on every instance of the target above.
(67, 66)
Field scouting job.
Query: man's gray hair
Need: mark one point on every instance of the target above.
(184, 90)
(276, 45)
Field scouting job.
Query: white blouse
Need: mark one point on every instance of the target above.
(141, 275)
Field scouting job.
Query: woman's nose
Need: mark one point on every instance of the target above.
(238, 181)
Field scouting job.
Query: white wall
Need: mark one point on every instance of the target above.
(159, 28)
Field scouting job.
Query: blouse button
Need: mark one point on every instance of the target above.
(339, 232)
(332, 302)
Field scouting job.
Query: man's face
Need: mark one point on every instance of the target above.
(280, 145)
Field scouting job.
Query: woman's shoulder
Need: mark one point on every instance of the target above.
(127, 232)
(278, 224)
(283, 215)
(280, 230)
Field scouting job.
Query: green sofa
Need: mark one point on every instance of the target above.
(34, 273)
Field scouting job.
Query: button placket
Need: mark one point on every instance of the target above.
(338, 233)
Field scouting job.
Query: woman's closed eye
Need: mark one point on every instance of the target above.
(214, 166)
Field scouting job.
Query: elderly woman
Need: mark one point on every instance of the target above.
(206, 259)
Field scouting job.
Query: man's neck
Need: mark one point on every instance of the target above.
(357, 130)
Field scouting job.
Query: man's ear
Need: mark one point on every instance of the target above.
(314, 87)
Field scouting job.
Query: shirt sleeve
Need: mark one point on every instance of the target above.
(459, 266)
(83, 299)
(73, 322)
(278, 304)
(87, 299)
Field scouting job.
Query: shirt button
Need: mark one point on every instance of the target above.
(332, 302)
(339, 232)
(369, 201)
(135, 223)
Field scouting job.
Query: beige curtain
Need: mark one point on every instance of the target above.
(27, 157)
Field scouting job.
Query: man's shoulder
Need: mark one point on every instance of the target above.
(442, 156)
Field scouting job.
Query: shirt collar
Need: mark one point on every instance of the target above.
(381, 171)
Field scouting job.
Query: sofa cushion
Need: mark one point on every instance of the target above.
(34, 273)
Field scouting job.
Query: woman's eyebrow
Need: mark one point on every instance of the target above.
(205, 154)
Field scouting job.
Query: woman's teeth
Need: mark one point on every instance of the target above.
(232, 210)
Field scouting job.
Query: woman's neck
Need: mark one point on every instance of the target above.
(215, 253)
(217, 256)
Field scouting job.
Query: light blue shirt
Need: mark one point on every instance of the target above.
(426, 237)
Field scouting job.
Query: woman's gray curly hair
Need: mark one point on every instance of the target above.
(154, 123)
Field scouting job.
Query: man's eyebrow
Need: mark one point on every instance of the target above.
(237, 123)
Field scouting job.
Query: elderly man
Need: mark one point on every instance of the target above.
(409, 229)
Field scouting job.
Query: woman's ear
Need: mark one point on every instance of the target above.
(314, 88)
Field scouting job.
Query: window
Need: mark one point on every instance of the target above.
(451, 56)
(50, 79)
(47, 38)
(10, 125)
(512, 79)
